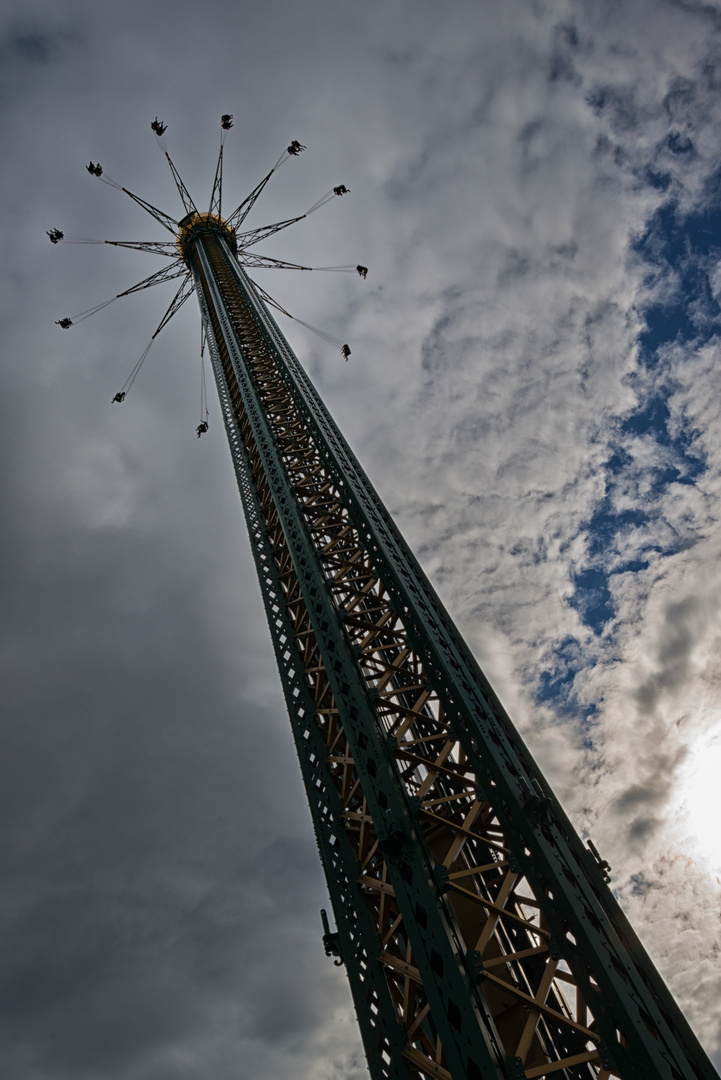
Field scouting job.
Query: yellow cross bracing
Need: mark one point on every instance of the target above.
(497, 914)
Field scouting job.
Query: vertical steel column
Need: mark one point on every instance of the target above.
(380, 1030)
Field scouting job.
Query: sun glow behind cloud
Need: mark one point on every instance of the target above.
(700, 791)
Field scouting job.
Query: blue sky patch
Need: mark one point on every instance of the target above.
(681, 252)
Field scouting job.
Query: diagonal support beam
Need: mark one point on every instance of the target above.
(175, 270)
(241, 212)
(186, 290)
(154, 247)
(182, 189)
(263, 262)
(250, 260)
(165, 220)
(216, 195)
(254, 236)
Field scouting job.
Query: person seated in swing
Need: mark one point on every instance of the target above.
(345, 351)
(119, 397)
(341, 190)
(226, 121)
(64, 323)
(363, 271)
(159, 127)
(55, 236)
(94, 170)
(202, 428)
(296, 147)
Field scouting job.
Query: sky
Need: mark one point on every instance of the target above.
(536, 190)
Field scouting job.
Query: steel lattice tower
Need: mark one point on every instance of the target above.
(479, 934)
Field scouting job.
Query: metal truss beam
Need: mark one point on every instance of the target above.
(168, 273)
(241, 212)
(216, 195)
(186, 290)
(185, 196)
(165, 220)
(169, 248)
(254, 236)
(252, 261)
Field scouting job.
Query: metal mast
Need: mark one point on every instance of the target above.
(480, 937)
(479, 934)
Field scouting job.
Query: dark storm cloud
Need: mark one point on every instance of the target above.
(28, 46)
(678, 635)
(126, 760)
(27, 43)
(566, 42)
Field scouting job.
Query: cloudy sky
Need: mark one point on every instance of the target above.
(536, 188)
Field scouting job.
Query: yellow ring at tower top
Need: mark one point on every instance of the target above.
(200, 222)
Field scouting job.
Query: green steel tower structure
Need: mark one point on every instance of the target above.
(479, 934)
